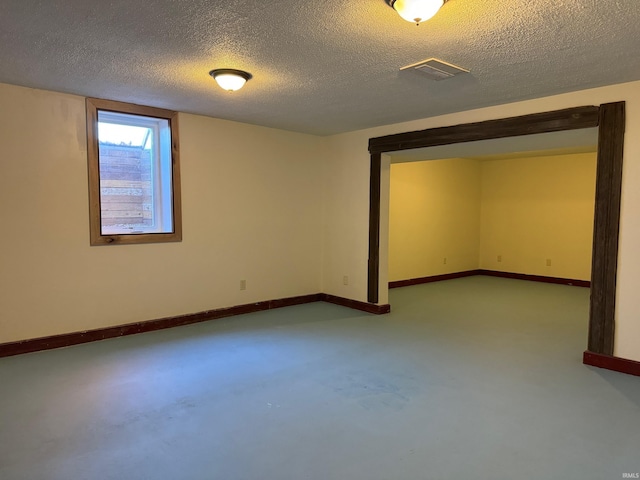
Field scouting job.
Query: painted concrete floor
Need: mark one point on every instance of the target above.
(477, 378)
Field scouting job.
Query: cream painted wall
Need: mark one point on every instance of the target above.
(52, 282)
(537, 209)
(346, 217)
(346, 190)
(434, 214)
(251, 210)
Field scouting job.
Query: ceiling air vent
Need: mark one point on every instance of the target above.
(436, 69)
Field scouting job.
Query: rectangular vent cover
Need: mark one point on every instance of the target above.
(436, 69)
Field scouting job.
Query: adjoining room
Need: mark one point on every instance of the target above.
(455, 214)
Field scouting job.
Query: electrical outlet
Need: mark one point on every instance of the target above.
(345, 280)
(444, 261)
(548, 262)
(243, 284)
(499, 258)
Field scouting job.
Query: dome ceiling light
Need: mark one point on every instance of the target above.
(416, 11)
(230, 79)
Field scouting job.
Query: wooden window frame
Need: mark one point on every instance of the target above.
(93, 105)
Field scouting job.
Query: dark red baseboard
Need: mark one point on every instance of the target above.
(536, 278)
(355, 304)
(434, 278)
(490, 273)
(76, 338)
(616, 364)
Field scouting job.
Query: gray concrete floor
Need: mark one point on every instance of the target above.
(473, 378)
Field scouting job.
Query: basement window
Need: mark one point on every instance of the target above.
(134, 174)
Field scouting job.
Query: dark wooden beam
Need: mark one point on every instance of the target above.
(374, 229)
(606, 228)
(559, 120)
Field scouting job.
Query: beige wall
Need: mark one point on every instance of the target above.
(316, 219)
(538, 209)
(346, 189)
(251, 210)
(434, 218)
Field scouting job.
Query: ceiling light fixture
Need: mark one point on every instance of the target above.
(230, 79)
(416, 11)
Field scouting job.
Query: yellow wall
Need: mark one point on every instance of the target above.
(538, 209)
(525, 210)
(434, 218)
(251, 208)
(346, 190)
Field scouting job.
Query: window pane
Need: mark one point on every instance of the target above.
(135, 174)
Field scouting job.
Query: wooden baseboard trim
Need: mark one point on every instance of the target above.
(536, 278)
(617, 364)
(434, 278)
(76, 338)
(357, 305)
(490, 273)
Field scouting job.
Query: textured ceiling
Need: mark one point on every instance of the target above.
(321, 66)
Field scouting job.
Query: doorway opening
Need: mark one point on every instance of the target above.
(609, 119)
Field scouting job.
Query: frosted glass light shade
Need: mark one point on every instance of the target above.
(417, 11)
(230, 79)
